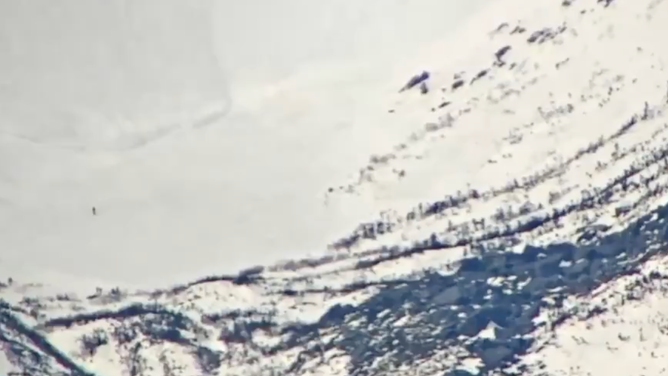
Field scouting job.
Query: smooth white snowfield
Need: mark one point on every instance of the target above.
(204, 133)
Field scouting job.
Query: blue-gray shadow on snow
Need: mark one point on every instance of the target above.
(439, 308)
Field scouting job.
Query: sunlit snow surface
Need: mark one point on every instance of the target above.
(196, 129)
(514, 222)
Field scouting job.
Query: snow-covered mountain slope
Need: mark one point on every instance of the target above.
(523, 230)
(191, 125)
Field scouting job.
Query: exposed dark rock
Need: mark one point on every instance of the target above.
(424, 89)
(415, 81)
(564, 267)
(501, 52)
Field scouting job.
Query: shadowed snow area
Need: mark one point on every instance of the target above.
(203, 133)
